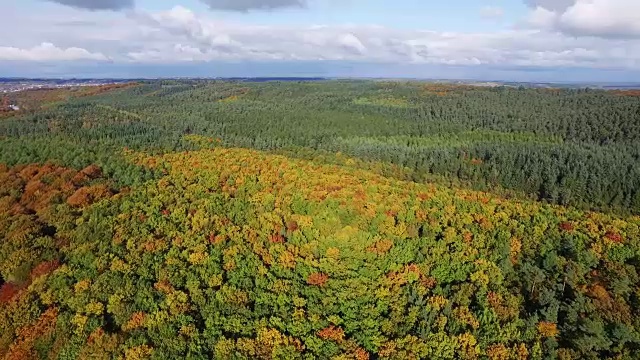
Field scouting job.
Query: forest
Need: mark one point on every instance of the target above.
(338, 219)
(569, 147)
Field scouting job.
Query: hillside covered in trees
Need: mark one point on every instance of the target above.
(571, 147)
(320, 220)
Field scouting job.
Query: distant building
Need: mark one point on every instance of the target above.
(14, 107)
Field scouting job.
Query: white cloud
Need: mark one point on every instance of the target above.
(600, 18)
(246, 5)
(542, 18)
(551, 5)
(179, 36)
(603, 18)
(48, 52)
(203, 39)
(351, 43)
(492, 12)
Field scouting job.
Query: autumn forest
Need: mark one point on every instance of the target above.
(342, 219)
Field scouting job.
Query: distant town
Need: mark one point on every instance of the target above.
(9, 85)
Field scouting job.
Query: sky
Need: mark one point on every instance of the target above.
(517, 40)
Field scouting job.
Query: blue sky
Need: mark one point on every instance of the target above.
(563, 40)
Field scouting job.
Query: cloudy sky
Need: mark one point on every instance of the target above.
(533, 40)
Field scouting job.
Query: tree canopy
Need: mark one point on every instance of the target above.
(159, 221)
